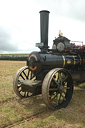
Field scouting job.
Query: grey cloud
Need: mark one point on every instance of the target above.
(5, 42)
(74, 9)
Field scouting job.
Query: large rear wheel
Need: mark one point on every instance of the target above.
(57, 88)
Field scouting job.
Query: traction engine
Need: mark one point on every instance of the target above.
(51, 72)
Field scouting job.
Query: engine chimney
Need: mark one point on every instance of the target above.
(44, 21)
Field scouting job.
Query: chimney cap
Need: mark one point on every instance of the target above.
(44, 11)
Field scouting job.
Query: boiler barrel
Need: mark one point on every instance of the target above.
(38, 61)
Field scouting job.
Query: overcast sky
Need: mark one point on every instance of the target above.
(20, 22)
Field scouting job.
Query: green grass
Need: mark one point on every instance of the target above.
(14, 110)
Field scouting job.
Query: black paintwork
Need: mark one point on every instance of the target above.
(44, 20)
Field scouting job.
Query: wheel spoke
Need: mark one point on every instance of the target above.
(64, 92)
(63, 97)
(54, 97)
(55, 81)
(67, 88)
(22, 76)
(59, 98)
(20, 90)
(25, 75)
(28, 74)
(19, 86)
(27, 94)
(57, 101)
(65, 78)
(24, 94)
(53, 89)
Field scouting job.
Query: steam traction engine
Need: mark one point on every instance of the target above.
(51, 72)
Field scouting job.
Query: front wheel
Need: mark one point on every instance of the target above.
(22, 74)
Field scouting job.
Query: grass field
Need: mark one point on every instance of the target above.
(32, 112)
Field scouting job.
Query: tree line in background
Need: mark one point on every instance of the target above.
(19, 57)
